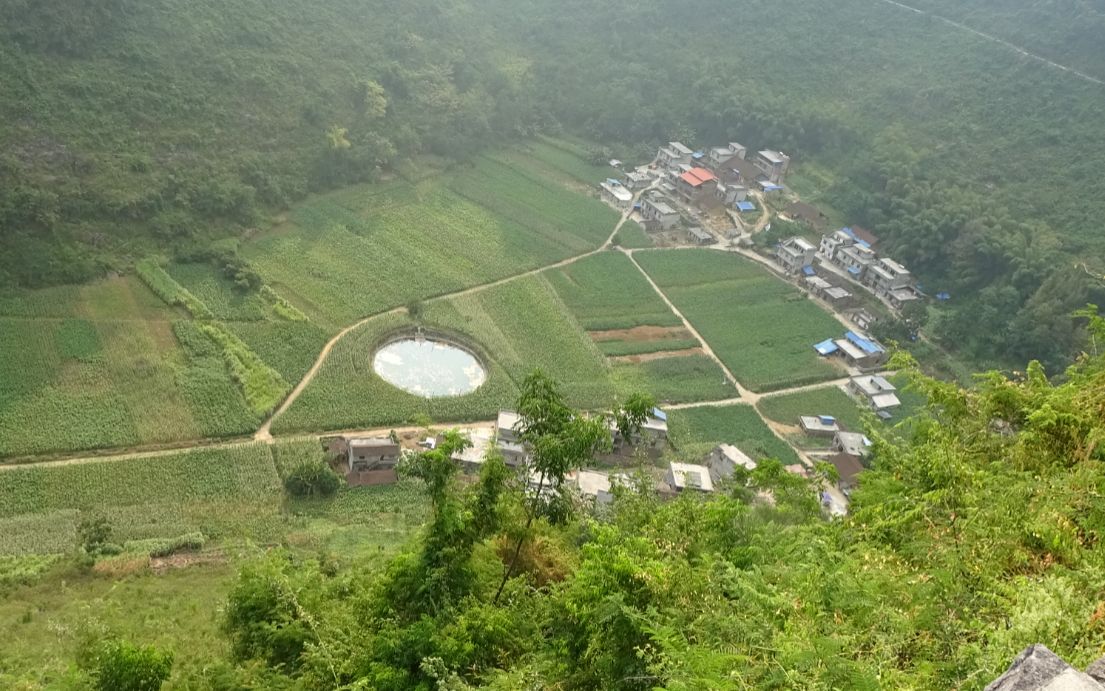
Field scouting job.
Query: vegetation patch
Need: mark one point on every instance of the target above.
(787, 408)
(696, 431)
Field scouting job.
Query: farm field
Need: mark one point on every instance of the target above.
(674, 380)
(231, 495)
(761, 328)
(606, 291)
(557, 158)
(365, 250)
(696, 431)
(513, 328)
(787, 408)
(103, 365)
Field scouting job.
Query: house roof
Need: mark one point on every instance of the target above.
(694, 476)
(746, 169)
(746, 206)
(818, 422)
(867, 345)
(592, 483)
(734, 455)
(696, 177)
(826, 347)
(883, 401)
(660, 206)
(808, 270)
(849, 349)
(508, 419)
(861, 233)
(383, 444)
(771, 156)
(837, 293)
(617, 191)
(846, 466)
(679, 147)
(700, 234)
(659, 414)
(818, 282)
(873, 384)
(853, 443)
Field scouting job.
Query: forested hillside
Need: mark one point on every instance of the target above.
(131, 127)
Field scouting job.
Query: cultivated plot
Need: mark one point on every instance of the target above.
(761, 328)
(695, 431)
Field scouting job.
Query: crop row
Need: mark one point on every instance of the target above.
(606, 291)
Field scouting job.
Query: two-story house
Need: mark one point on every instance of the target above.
(773, 164)
(673, 154)
(795, 253)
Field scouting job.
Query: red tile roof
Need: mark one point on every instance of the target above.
(696, 177)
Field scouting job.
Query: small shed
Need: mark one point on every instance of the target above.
(372, 453)
(724, 460)
(700, 237)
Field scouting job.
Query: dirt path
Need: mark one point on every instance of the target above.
(1000, 41)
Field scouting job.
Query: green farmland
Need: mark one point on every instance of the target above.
(695, 431)
(364, 250)
(762, 328)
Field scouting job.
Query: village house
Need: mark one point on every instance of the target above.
(794, 254)
(852, 444)
(863, 319)
(836, 296)
(695, 184)
(885, 275)
(372, 461)
(472, 458)
(658, 212)
(699, 236)
(673, 154)
(806, 213)
(855, 259)
(724, 460)
(718, 155)
(508, 440)
(819, 425)
(773, 164)
(595, 485)
(847, 468)
(900, 297)
(684, 476)
(876, 392)
(615, 193)
(738, 171)
(637, 181)
(861, 351)
(730, 194)
(653, 433)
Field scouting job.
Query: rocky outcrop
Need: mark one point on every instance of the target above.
(1039, 669)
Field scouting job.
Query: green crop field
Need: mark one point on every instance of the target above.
(618, 347)
(674, 380)
(212, 491)
(695, 431)
(606, 291)
(367, 249)
(514, 328)
(631, 235)
(760, 327)
(218, 293)
(101, 366)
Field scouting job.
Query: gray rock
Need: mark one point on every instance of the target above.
(1039, 669)
(1097, 670)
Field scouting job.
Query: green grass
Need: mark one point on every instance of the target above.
(367, 249)
(674, 380)
(606, 291)
(694, 432)
(759, 326)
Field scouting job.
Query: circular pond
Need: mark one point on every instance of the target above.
(429, 368)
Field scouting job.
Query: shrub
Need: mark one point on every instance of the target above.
(312, 479)
(121, 666)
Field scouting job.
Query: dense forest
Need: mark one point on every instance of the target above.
(136, 127)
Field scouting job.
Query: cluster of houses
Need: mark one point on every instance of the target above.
(719, 177)
(849, 253)
(858, 350)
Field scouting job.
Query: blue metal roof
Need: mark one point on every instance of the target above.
(943, 295)
(746, 206)
(827, 419)
(867, 346)
(853, 270)
(659, 414)
(826, 347)
(808, 270)
(851, 233)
